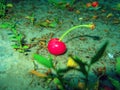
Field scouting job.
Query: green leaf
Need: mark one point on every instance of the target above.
(15, 46)
(14, 39)
(25, 47)
(65, 70)
(99, 54)
(19, 37)
(81, 64)
(115, 83)
(50, 61)
(118, 65)
(21, 50)
(44, 61)
(14, 31)
(53, 24)
(5, 25)
(58, 83)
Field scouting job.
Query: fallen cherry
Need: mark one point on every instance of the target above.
(95, 4)
(57, 47)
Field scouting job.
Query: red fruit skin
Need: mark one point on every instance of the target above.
(56, 47)
(95, 4)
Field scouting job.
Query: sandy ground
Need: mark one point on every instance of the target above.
(15, 66)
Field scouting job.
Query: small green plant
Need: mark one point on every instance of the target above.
(6, 25)
(51, 23)
(17, 37)
(85, 68)
(2, 8)
(53, 73)
(31, 18)
(57, 75)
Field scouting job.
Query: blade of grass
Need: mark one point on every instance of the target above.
(81, 65)
(99, 54)
(58, 83)
(115, 83)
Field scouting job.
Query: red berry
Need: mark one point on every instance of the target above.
(56, 47)
(95, 4)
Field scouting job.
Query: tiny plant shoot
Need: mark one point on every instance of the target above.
(16, 37)
(57, 75)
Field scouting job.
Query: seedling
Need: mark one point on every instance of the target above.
(17, 38)
(31, 18)
(53, 73)
(57, 75)
(48, 23)
(85, 68)
(2, 8)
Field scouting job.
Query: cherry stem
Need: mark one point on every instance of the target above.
(69, 30)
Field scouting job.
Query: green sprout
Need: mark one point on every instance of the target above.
(53, 75)
(58, 75)
(2, 8)
(85, 68)
(31, 18)
(17, 37)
